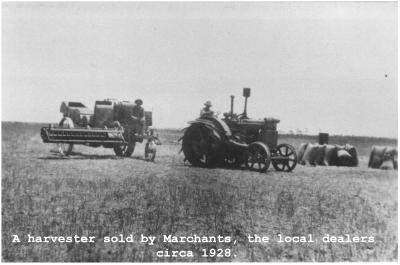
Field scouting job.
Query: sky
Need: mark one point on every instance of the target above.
(320, 66)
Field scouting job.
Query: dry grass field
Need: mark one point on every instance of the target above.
(94, 193)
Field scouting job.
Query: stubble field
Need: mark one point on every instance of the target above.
(94, 193)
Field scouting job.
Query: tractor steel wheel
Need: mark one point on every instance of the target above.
(125, 150)
(201, 146)
(285, 158)
(257, 157)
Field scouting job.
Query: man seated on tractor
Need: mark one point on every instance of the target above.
(138, 117)
(206, 111)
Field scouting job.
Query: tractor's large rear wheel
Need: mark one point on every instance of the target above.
(233, 160)
(202, 146)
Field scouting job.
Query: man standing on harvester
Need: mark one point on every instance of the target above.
(138, 116)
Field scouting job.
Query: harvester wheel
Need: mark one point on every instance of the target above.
(202, 146)
(285, 158)
(257, 157)
(150, 150)
(64, 148)
(125, 150)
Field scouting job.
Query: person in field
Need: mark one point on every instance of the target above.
(206, 111)
(138, 116)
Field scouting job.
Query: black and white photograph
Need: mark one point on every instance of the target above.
(197, 131)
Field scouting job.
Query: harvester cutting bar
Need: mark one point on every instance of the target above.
(81, 136)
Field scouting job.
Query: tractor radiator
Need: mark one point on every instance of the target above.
(81, 135)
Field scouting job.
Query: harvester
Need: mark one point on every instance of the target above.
(237, 140)
(110, 125)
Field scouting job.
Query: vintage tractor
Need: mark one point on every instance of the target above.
(111, 125)
(236, 140)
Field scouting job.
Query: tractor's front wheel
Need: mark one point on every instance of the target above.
(285, 158)
(257, 157)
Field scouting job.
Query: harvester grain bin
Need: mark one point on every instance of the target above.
(236, 140)
(110, 125)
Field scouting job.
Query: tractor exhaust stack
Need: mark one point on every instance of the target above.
(246, 94)
(232, 98)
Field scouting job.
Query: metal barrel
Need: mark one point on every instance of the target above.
(323, 138)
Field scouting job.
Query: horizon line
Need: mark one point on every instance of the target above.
(283, 132)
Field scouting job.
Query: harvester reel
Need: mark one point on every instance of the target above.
(257, 157)
(201, 146)
(285, 158)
